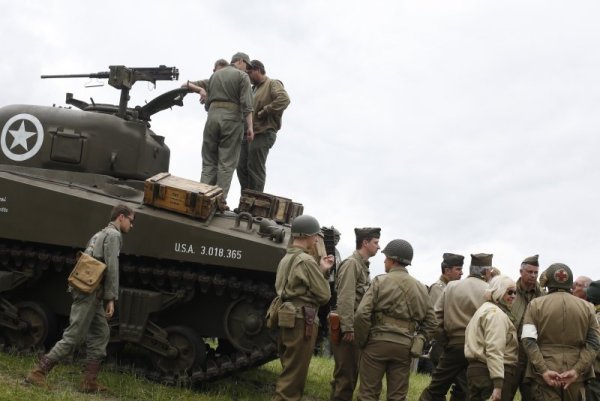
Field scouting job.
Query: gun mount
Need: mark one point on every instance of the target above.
(123, 78)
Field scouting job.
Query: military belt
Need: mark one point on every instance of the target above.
(225, 105)
(401, 323)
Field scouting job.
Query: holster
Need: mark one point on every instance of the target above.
(335, 328)
(309, 320)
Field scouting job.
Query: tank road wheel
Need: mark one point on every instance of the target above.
(41, 327)
(191, 351)
(244, 325)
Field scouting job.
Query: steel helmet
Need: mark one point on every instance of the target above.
(399, 250)
(559, 275)
(304, 226)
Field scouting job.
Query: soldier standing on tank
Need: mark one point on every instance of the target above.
(560, 337)
(351, 283)
(270, 100)
(392, 323)
(229, 105)
(89, 312)
(528, 289)
(452, 269)
(201, 86)
(454, 310)
(592, 388)
(301, 281)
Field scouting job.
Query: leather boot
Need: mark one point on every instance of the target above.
(38, 375)
(89, 383)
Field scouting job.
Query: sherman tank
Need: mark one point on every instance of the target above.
(193, 292)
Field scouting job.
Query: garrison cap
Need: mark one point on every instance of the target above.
(242, 56)
(531, 260)
(592, 293)
(367, 232)
(481, 259)
(452, 259)
(257, 65)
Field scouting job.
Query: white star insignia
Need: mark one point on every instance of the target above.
(20, 136)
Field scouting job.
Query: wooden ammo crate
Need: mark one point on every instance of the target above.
(260, 204)
(192, 198)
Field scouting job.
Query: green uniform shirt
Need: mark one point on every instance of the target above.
(106, 245)
(271, 99)
(351, 283)
(521, 301)
(230, 85)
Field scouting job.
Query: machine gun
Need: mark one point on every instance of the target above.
(123, 78)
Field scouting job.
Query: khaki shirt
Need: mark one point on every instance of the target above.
(351, 283)
(521, 301)
(561, 324)
(457, 305)
(436, 289)
(306, 285)
(230, 85)
(106, 246)
(271, 98)
(394, 308)
(491, 338)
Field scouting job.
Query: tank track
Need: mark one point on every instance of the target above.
(36, 262)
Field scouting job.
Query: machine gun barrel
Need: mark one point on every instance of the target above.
(99, 75)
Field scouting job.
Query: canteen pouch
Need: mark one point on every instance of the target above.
(335, 329)
(309, 320)
(87, 274)
(273, 312)
(418, 343)
(287, 315)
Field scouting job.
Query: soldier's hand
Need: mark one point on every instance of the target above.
(496, 394)
(203, 95)
(326, 263)
(348, 337)
(552, 378)
(109, 309)
(261, 114)
(568, 377)
(249, 134)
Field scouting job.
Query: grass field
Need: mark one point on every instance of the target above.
(255, 385)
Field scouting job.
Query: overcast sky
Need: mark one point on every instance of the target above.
(460, 126)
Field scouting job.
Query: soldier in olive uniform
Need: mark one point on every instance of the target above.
(392, 323)
(229, 105)
(528, 288)
(89, 312)
(560, 337)
(351, 283)
(592, 389)
(454, 310)
(301, 282)
(452, 269)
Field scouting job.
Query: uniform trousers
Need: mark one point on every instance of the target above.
(452, 368)
(252, 165)
(518, 381)
(592, 389)
(481, 386)
(387, 358)
(221, 143)
(345, 373)
(87, 322)
(542, 392)
(295, 352)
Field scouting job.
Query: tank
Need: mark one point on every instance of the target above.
(193, 293)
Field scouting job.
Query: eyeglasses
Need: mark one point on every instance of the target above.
(511, 292)
(129, 218)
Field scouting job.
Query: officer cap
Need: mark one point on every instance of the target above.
(243, 56)
(531, 260)
(559, 275)
(367, 232)
(304, 226)
(452, 259)
(399, 250)
(481, 259)
(593, 292)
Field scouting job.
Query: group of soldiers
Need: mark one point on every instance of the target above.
(486, 336)
(245, 109)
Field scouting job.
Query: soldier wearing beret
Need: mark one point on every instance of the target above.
(351, 283)
(560, 337)
(528, 289)
(454, 310)
(592, 389)
(393, 321)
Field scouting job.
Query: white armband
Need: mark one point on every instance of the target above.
(529, 331)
